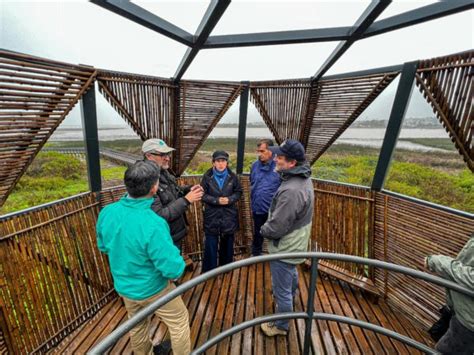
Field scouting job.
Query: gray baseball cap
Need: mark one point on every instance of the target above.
(156, 145)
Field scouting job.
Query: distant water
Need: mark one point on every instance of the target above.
(368, 137)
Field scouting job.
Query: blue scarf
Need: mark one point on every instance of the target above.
(220, 176)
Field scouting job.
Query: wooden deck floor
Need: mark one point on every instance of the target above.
(245, 294)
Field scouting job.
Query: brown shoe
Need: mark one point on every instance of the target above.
(270, 329)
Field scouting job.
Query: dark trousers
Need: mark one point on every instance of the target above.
(257, 242)
(457, 340)
(212, 243)
(179, 244)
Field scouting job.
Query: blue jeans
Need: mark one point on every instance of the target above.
(224, 243)
(284, 285)
(257, 242)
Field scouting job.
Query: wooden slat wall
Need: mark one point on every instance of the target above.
(447, 83)
(201, 106)
(181, 114)
(343, 223)
(283, 106)
(35, 96)
(338, 104)
(146, 103)
(112, 194)
(194, 242)
(315, 113)
(53, 277)
(405, 233)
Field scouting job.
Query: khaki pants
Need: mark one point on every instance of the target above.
(174, 314)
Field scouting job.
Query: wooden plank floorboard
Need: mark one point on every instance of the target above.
(246, 293)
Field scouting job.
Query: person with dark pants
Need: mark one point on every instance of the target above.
(264, 182)
(222, 190)
(288, 227)
(171, 200)
(459, 338)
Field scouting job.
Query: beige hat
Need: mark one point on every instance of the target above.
(156, 145)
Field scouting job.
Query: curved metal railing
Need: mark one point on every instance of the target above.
(309, 315)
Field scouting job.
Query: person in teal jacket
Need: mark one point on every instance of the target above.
(143, 258)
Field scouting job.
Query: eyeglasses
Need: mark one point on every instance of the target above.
(161, 154)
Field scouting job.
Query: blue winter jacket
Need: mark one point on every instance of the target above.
(264, 182)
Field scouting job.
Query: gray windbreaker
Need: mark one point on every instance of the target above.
(291, 213)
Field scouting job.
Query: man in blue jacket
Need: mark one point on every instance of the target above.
(143, 258)
(264, 182)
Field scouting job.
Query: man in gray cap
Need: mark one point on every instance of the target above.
(171, 201)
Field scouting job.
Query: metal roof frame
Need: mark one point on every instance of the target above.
(366, 26)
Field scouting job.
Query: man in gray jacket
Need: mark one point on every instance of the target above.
(459, 339)
(288, 227)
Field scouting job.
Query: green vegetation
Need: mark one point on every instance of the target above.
(441, 143)
(53, 176)
(439, 177)
(455, 189)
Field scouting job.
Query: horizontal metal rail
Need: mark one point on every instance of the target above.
(316, 316)
(147, 311)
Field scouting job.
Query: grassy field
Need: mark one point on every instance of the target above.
(53, 176)
(440, 177)
(441, 143)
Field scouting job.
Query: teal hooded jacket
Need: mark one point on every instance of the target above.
(138, 243)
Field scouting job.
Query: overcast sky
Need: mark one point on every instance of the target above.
(81, 32)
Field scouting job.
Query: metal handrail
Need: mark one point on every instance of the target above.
(147, 311)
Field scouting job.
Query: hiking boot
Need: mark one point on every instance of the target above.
(270, 329)
(162, 348)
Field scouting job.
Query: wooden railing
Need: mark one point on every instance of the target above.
(406, 231)
(343, 223)
(53, 278)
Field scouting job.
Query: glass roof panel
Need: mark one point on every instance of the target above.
(260, 63)
(400, 6)
(106, 41)
(435, 38)
(184, 14)
(267, 16)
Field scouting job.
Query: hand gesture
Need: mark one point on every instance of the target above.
(223, 200)
(194, 195)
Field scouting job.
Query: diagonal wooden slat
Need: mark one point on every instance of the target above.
(338, 103)
(201, 106)
(146, 103)
(447, 84)
(36, 95)
(283, 106)
(181, 114)
(316, 113)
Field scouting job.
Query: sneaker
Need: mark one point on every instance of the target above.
(270, 330)
(162, 348)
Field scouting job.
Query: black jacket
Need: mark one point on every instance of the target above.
(220, 218)
(170, 204)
